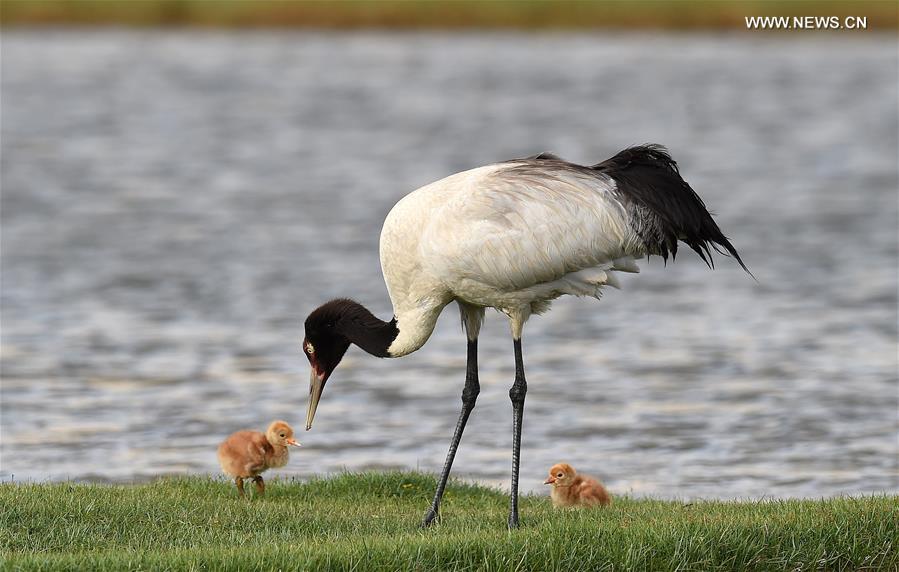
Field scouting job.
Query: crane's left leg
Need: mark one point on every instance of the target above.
(516, 394)
(469, 397)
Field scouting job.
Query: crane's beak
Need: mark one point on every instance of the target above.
(549, 481)
(294, 442)
(316, 384)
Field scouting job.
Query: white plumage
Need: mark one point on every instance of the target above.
(489, 239)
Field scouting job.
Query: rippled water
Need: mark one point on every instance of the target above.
(174, 204)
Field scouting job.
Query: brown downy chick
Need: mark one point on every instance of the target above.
(246, 454)
(572, 489)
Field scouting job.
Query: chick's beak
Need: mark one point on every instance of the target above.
(294, 443)
(316, 384)
(549, 481)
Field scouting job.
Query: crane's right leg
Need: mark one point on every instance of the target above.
(516, 394)
(469, 396)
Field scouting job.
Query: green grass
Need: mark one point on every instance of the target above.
(510, 14)
(369, 521)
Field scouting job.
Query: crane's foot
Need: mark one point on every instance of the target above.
(431, 517)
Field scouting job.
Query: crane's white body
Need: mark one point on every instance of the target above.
(486, 238)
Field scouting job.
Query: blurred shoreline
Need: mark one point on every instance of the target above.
(419, 14)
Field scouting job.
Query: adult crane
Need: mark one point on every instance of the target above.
(512, 236)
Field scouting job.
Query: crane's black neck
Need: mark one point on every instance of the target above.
(347, 319)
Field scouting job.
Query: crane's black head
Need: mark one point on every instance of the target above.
(325, 341)
(324, 346)
(330, 329)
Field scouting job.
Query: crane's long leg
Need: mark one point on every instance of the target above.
(469, 396)
(516, 394)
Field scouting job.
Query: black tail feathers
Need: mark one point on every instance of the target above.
(663, 208)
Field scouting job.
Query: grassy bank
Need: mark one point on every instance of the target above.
(370, 522)
(510, 14)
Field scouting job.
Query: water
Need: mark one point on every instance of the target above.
(174, 204)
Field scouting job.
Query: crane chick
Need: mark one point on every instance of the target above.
(246, 454)
(572, 489)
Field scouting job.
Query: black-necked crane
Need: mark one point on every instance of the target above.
(511, 236)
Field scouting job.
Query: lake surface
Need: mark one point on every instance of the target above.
(174, 204)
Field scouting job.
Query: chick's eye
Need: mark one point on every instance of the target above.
(309, 349)
(558, 475)
(282, 435)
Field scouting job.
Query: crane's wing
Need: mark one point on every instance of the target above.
(538, 220)
(513, 228)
